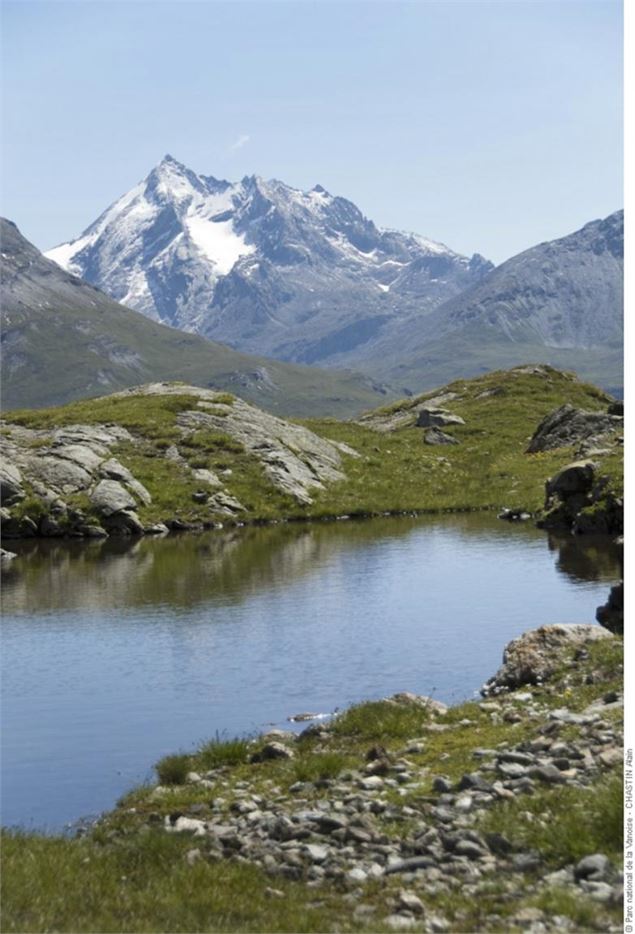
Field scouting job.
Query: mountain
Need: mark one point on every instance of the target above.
(560, 302)
(261, 266)
(63, 339)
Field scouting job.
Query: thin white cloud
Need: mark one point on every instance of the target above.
(242, 140)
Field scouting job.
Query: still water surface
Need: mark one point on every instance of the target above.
(117, 653)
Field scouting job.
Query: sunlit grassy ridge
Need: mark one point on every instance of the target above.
(395, 471)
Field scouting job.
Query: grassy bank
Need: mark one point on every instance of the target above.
(128, 874)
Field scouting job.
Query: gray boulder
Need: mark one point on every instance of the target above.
(437, 418)
(110, 497)
(567, 425)
(574, 479)
(535, 655)
(123, 523)
(436, 436)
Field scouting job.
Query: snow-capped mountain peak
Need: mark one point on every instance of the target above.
(257, 263)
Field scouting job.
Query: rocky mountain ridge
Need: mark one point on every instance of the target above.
(63, 339)
(260, 265)
(560, 302)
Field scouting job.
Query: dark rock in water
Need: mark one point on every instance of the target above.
(50, 528)
(611, 614)
(434, 418)
(19, 527)
(568, 425)
(436, 436)
(514, 515)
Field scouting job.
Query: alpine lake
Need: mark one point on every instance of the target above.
(118, 652)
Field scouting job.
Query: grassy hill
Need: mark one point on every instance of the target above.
(64, 340)
(380, 462)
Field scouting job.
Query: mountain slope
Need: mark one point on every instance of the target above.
(62, 340)
(260, 265)
(559, 302)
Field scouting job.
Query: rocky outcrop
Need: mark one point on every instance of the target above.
(577, 499)
(45, 473)
(567, 425)
(295, 459)
(611, 614)
(534, 656)
(58, 464)
(406, 413)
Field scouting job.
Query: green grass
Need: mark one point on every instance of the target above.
(173, 769)
(488, 469)
(218, 752)
(321, 765)
(395, 472)
(145, 884)
(564, 824)
(374, 720)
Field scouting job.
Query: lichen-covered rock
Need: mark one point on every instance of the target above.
(567, 425)
(535, 655)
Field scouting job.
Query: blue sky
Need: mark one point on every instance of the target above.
(487, 124)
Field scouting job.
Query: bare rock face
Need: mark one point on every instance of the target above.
(59, 463)
(567, 425)
(535, 655)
